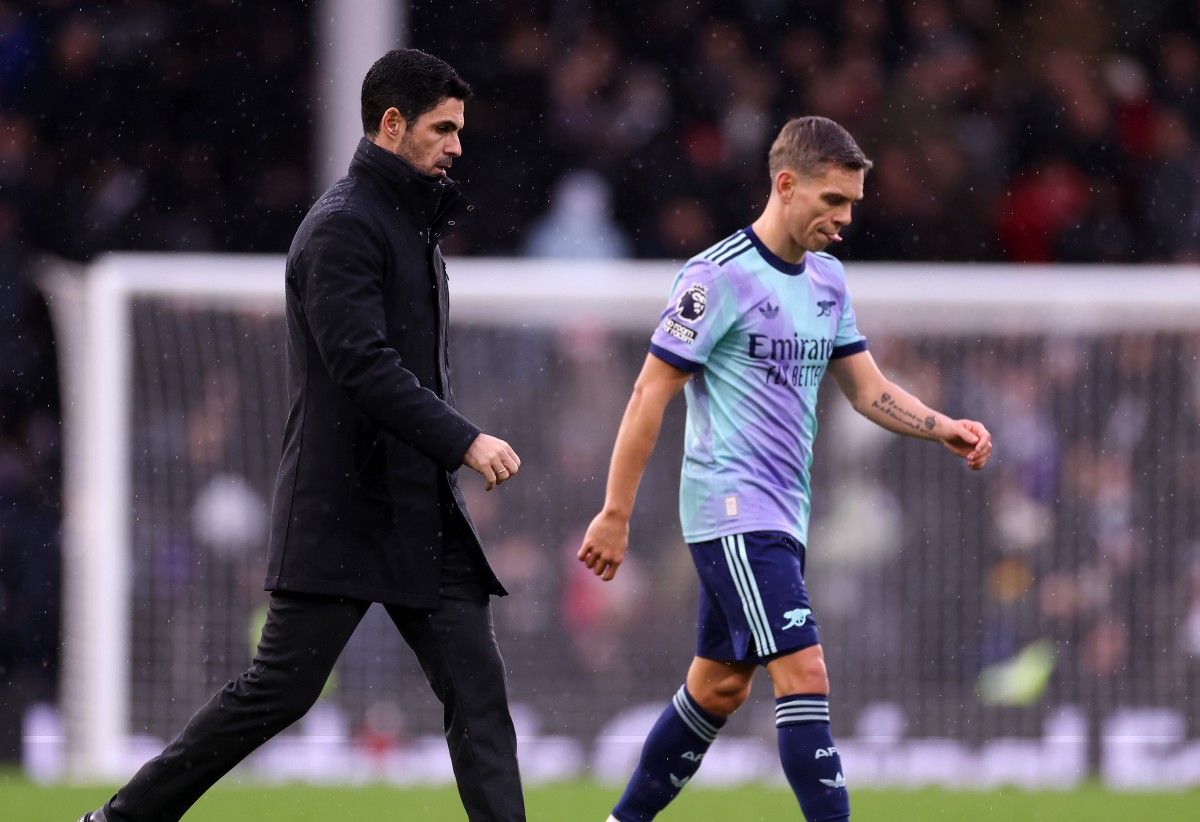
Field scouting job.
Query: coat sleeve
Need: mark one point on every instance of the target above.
(340, 281)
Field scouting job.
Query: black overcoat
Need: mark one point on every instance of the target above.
(372, 438)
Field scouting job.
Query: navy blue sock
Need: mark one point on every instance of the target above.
(670, 755)
(809, 758)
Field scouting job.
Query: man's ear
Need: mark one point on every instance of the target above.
(785, 185)
(392, 124)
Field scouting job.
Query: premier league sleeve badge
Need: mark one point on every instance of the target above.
(692, 302)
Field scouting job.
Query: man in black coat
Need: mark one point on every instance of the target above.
(366, 507)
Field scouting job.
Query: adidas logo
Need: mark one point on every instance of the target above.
(769, 311)
(837, 782)
(679, 783)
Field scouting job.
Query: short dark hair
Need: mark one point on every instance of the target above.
(806, 145)
(412, 81)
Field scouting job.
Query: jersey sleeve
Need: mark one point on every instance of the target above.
(701, 310)
(848, 340)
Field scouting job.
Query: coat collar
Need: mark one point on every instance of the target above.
(435, 201)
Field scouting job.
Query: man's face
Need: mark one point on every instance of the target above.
(819, 207)
(431, 143)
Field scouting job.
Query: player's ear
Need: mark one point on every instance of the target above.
(785, 185)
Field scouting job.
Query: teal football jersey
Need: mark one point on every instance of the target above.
(758, 333)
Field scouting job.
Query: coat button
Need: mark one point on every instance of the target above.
(470, 208)
(449, 222)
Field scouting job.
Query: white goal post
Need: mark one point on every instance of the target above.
(91, 307)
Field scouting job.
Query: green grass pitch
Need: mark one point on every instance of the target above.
(22, 801)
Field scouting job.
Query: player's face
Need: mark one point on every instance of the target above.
(818, 208)
(431, 143)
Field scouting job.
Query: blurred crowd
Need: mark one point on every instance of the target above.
(1002, 130)
(123, 125)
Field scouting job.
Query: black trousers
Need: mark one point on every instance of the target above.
(301, 640)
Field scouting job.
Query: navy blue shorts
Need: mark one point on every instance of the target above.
(753, 603)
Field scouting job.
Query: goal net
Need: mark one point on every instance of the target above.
(1002, 626)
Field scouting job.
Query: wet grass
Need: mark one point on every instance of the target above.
(22, 801)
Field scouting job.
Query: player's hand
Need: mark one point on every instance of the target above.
(493, 458)
(604, 544)
(969, 440)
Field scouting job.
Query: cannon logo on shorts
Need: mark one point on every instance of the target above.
(797, 618)
(692, 302)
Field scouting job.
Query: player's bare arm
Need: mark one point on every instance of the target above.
(493, 458)
(607, 536)
(888, 405)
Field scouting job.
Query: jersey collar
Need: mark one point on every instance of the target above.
(778, 263)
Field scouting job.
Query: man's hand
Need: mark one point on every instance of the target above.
(493, 458)
(969, 440)
(604, 544)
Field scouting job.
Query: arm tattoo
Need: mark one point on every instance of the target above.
(910, 422)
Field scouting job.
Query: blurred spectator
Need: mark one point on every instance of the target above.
(578, 224)
(1101, 233)
(681, 225)
(1179, 74)
(1044, 202)
(1168, 192)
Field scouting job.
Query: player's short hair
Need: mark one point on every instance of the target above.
(412, 81)
(807, 145)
